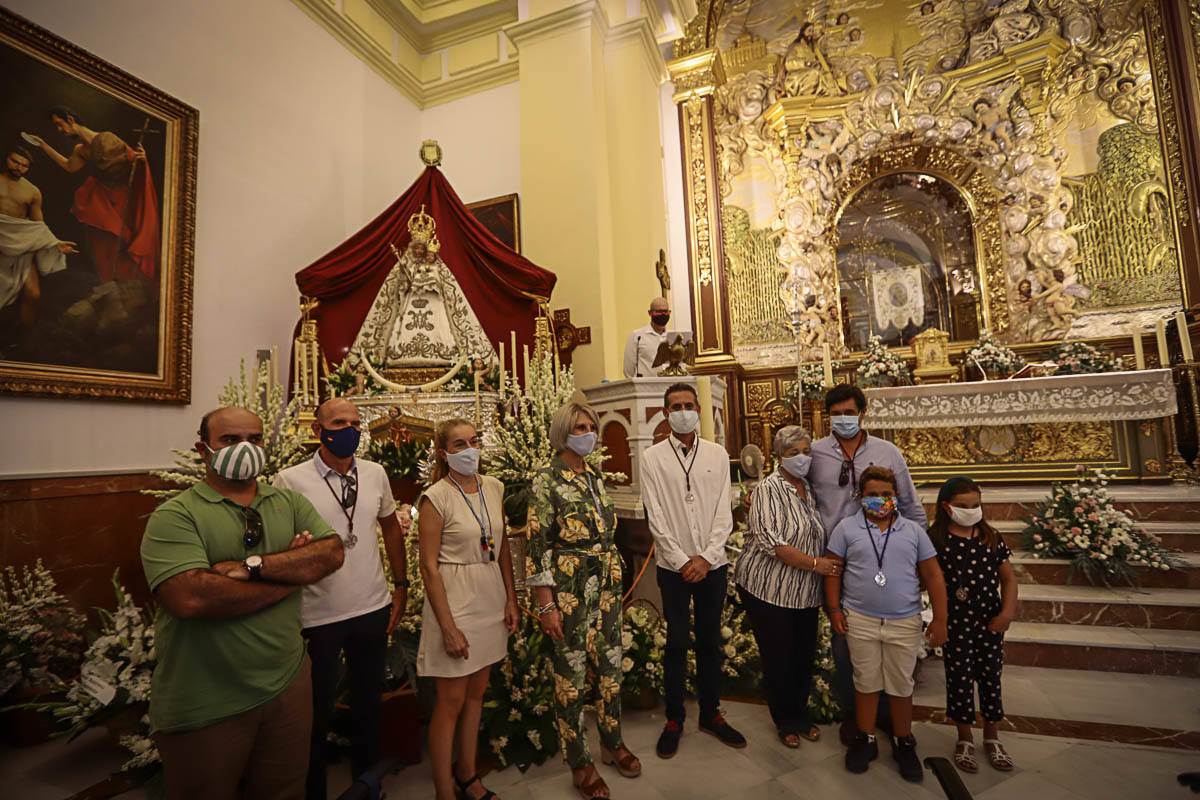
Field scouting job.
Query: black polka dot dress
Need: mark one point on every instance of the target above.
(973, 654)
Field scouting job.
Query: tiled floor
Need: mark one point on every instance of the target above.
(766, 770)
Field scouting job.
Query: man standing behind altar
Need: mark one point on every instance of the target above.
(642, 345)
(685, 488)
(351, 610)
(837, 462)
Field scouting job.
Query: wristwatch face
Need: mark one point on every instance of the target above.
(254, 561)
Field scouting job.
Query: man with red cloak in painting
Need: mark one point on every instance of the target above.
(116, 200)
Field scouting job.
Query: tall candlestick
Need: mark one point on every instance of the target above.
(1139, 354)
(512, 351)
(704, 395)
(828, 367)
(275, 365)
(478, 375)
(1160, 335)
(1185, 338)
(501, 350)
(525, 362)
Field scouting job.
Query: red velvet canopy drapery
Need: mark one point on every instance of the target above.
(502, 286)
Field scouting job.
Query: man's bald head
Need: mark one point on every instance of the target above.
(336, 408)
(222, 427)
(659, 304)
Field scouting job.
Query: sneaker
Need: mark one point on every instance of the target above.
(863, 750)
(904, 750)
(668, 740)
(721, 729)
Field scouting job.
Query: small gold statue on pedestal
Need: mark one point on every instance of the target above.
(933, 357)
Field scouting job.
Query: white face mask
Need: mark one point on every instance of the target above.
(966, 516)
(237, 462)
(582, 443)
(464, 462)
(797, 465)
(683, 422)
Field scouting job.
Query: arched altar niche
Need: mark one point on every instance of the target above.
(907, 261)
(919, 217)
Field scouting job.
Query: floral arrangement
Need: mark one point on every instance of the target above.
(824, 707)
(927, 617)
(642, 640)
(881, 367)
(121, 657)
(522, 440)
(1081, 522)
(41, 635)
(283, 443)
(992, 357)
(399, 461)
(812, 376)
(465, 379)
(1076, 357)
(344, 380)
(518, 715)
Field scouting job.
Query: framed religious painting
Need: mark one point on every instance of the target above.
(97, 202)
(502, 217)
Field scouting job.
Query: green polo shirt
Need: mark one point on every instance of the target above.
(209, 669)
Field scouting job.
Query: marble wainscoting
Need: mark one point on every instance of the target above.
(83, 528)
(1121, 607)
(1078, 729)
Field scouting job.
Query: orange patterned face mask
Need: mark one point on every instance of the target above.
(879, 507)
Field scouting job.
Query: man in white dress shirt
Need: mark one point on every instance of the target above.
(685, 488)
(642, 345)
(350, 610)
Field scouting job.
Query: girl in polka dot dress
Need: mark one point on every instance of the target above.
(982, 592)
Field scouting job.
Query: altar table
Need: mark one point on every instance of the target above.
(1030, 429)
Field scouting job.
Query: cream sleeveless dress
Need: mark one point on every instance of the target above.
(474, 586)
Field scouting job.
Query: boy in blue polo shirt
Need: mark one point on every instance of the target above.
(876, 603)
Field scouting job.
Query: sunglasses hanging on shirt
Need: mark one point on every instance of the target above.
(254, 528)
(348, 502)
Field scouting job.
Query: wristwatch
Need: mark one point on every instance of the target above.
(253, 565)
(403, 582)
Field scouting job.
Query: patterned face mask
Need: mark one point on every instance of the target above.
(237, 462)
(879, 507)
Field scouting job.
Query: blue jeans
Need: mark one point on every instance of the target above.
(843, 682)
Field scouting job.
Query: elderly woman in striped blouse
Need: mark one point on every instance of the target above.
(780, 578)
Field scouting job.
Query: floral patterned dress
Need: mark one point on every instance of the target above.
(571, 548)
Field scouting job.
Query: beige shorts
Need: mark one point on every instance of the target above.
(883, 652)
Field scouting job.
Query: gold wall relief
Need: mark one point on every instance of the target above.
(1068, 443)
(758, 394)
(929, 446)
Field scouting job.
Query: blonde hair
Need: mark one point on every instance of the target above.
(441, 438)
(563, 423)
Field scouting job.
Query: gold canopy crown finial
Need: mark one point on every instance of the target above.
(421, 226)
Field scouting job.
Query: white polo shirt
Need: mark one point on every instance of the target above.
(687, 522)
(359, 587)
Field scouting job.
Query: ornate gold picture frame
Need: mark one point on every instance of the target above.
(501, 216)
(97, 209)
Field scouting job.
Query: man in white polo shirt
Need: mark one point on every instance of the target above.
(351, 609)
(685, 488)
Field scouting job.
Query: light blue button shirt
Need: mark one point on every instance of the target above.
(900, 597)
(835, 503)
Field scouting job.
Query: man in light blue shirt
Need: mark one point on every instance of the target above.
(838, 461)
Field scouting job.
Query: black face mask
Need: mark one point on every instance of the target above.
(660, 319)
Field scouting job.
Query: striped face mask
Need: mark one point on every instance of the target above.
(237, 462)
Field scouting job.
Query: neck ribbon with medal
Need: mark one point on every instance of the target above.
(880, 577)
(487, 542)
(348, 502)
(687, 470)
(961, 594)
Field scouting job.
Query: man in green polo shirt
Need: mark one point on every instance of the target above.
(231, 698)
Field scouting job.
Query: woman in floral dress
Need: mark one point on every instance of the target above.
(575, 573)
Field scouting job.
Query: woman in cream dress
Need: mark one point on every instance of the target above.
(470, 602)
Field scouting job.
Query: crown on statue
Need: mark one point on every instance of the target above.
(434, 245)
(421, 226)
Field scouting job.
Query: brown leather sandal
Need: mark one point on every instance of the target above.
(814, 733)
(626, 762)
(791, 740)
(594, 789)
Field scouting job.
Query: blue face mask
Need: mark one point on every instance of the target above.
(878, 507)
(845, 426)
(797, 465)
(342, 442)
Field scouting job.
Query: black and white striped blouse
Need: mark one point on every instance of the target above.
(779, 517)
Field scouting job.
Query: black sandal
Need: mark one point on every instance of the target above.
(462, 788)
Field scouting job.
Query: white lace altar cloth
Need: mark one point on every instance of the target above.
(1102, 397)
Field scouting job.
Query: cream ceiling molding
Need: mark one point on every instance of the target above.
(412, 59)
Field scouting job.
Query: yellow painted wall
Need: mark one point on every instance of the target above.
(372, 24)
(474, 53)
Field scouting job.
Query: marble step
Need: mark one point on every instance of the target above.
(1161, 609)
(1174, 535)
(1055, 571)
(1178, 503)
(1103, 648)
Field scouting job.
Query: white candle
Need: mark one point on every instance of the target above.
(1160, 335)
(1185, 339)
(512, 351)
(501, 366)
(828, 367)
(275, 365)
(704, 395)
(525, 362)
(478, 374)
(1139, 354)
